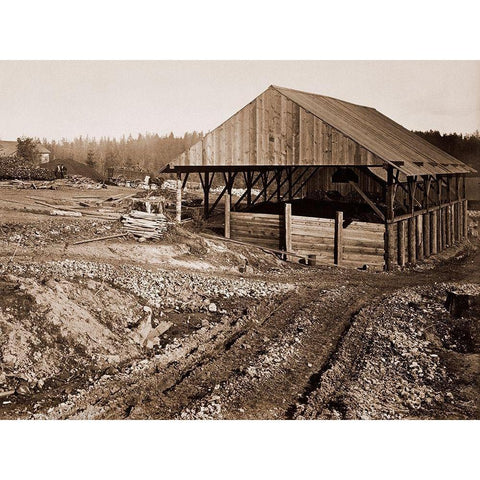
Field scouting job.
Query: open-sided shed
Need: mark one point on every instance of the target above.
(319, 164)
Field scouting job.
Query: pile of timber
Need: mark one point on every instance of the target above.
(146, 225)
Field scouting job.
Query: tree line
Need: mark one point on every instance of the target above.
(464, 147)
(149, 151)
(146, 152)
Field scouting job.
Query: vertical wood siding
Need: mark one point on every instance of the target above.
(273, 130)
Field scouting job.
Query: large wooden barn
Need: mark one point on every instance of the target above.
(329, 180)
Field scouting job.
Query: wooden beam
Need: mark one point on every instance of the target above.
(313, 172)
(178, 204)
(369, 202)
(184, 180)
(226, 188)
(338, 239)
(288, 228)
(245, 194)
(227, 215)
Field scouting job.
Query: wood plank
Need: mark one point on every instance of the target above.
(338, 237)
(288, 227)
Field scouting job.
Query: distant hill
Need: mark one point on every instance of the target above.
(74, 168)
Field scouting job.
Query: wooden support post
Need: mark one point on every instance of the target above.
(288, 228)
(338, 245)
(227, 215)
(258, 177)
(465, 218)
(390, 245)
(434, 232)
(443, 224)
(178, 204)
(289, 184)
(412, 257)
(426, 235)
(390, 240)
(206, 184)
(419, 222)
(278, 178)
(456, 212)
(401, 242)
(452, 225)
(448, 226)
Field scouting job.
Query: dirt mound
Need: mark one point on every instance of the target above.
(74, 168)
(55, 332)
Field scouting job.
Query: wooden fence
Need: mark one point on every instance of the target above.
(427, 233)
(328, 240)
(410, 238)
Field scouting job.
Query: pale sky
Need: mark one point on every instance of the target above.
(56, 99)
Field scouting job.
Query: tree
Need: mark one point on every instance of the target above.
(27, 149)
(91, 159)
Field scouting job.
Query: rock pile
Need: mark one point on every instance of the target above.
(182, 291)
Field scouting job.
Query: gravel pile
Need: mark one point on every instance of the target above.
(179, 290)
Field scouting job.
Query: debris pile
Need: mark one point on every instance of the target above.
(145, 225)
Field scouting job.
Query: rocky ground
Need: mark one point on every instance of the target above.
(193, 328)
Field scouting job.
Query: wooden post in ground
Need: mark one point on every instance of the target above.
(389, 225)
(419, 222)
(288, 228)
(465, 218)
(178, 204)
(426, 234)
(401, 242)
(448, 225)
(338, 240)
(227, 215)
(434, 233)
(412, 257)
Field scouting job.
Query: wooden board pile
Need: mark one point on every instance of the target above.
(145, 225)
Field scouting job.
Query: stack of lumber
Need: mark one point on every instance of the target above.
(146, 225)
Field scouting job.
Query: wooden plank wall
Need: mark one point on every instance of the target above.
(273, 130)
(363, 244)
(313, 236)
(258, 228)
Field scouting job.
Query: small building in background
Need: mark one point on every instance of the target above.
(8, 148)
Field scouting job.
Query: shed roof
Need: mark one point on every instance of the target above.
(391, 142)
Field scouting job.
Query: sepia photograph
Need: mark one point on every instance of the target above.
(239, 241)
(218, 249)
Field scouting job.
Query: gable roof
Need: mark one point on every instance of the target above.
(406, 151)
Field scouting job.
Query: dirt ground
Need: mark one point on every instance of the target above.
(193, 328)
